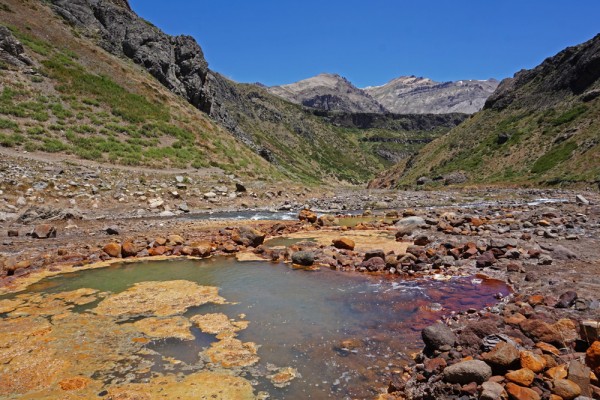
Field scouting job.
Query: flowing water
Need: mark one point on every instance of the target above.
(344, 333)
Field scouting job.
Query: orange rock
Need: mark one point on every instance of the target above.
(112, 249)
(307, 215)
(514, 319)
(201, 249)
(517, 392)
(532, 361)
(128, 249)
(567, 329)
(344, 243)
(175, 240)
(547, 348)
(536, 299)
(75, 383)
(566, 389)
(559, 372)
(160, 241)
(157, 251)
(476, 221)
(592, 357)
(523, 376)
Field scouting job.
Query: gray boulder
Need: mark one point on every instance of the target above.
(468, 371)
(304, 258)
(437, 335)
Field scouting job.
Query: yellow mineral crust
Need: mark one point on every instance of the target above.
(200, 385)
(218, 324)
(160, 299)
(161, 328)
(230, 353)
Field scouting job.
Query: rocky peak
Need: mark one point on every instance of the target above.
(329, 92)
(121, 3)
(418, 95)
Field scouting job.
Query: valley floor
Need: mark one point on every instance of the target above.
(543, 243)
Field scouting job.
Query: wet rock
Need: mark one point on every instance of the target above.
(44, 231)
(566, 389)
(112, 249)
(343, 243)
(467, 371)
(566, 299)
(492, 391)
(438, 335)
(374, 264)
(503, 355)
(517, 392)
(304, 258)
(248, 236)
(308, 216)
(523, 376)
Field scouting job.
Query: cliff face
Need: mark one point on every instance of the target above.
(177, 62)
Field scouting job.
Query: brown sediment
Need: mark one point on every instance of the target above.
(283, 377)
(218, 324)
(230, 352)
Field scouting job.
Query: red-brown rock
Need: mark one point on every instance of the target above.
(592, 357)
(516, 392)
(344, 243)
(112, 249)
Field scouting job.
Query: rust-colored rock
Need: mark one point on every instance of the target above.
(558, 372)
(44, 231)
(157, 251)
(112, 249)
(516, 392)
(75, 383)
(175, 240)
(201, 249)
(503, 355)
(523, 376)
(307, 215)
(343, 243)
(566, 389)
(532, 361)
(128, 249)
(592, 357)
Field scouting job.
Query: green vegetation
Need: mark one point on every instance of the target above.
(570, 115)
(554, 157)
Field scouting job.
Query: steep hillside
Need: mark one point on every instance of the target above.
(540, 127)
(143, 99)
(62, 94)
(414, 95)
(328, 92)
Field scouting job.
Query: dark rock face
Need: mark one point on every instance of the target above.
(573, 70)
(177, 62)
(11, 50)
(305, 258)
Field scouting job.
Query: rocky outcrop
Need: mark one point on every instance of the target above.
(176, 61)
(416, 95)
(572, 71)
(328, 92)
(11, 50)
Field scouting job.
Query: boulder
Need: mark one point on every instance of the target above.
(492, 391)
(374, 253)
(517, 392)
(566, 299)
(523, 376)
(248, 236)
(343, 243)
(532, 361)
(374, 264)
(328, 220)
(129, 249)
(468, 371)
(44, 231)
(565, 388)
(112, 249)
(503, 355)
(304, 258)
(438, 335)
(308, 216)
(410, 223)
(592, 357)
(201, 249)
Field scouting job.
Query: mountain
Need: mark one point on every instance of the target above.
(541, 127)
(329, 92)
(414, 95)
(93, 80)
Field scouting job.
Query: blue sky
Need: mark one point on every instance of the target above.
(373, 41)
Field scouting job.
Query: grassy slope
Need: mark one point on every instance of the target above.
(90, 104)
(549, 145)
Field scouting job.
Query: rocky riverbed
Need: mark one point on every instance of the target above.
(541, 342)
